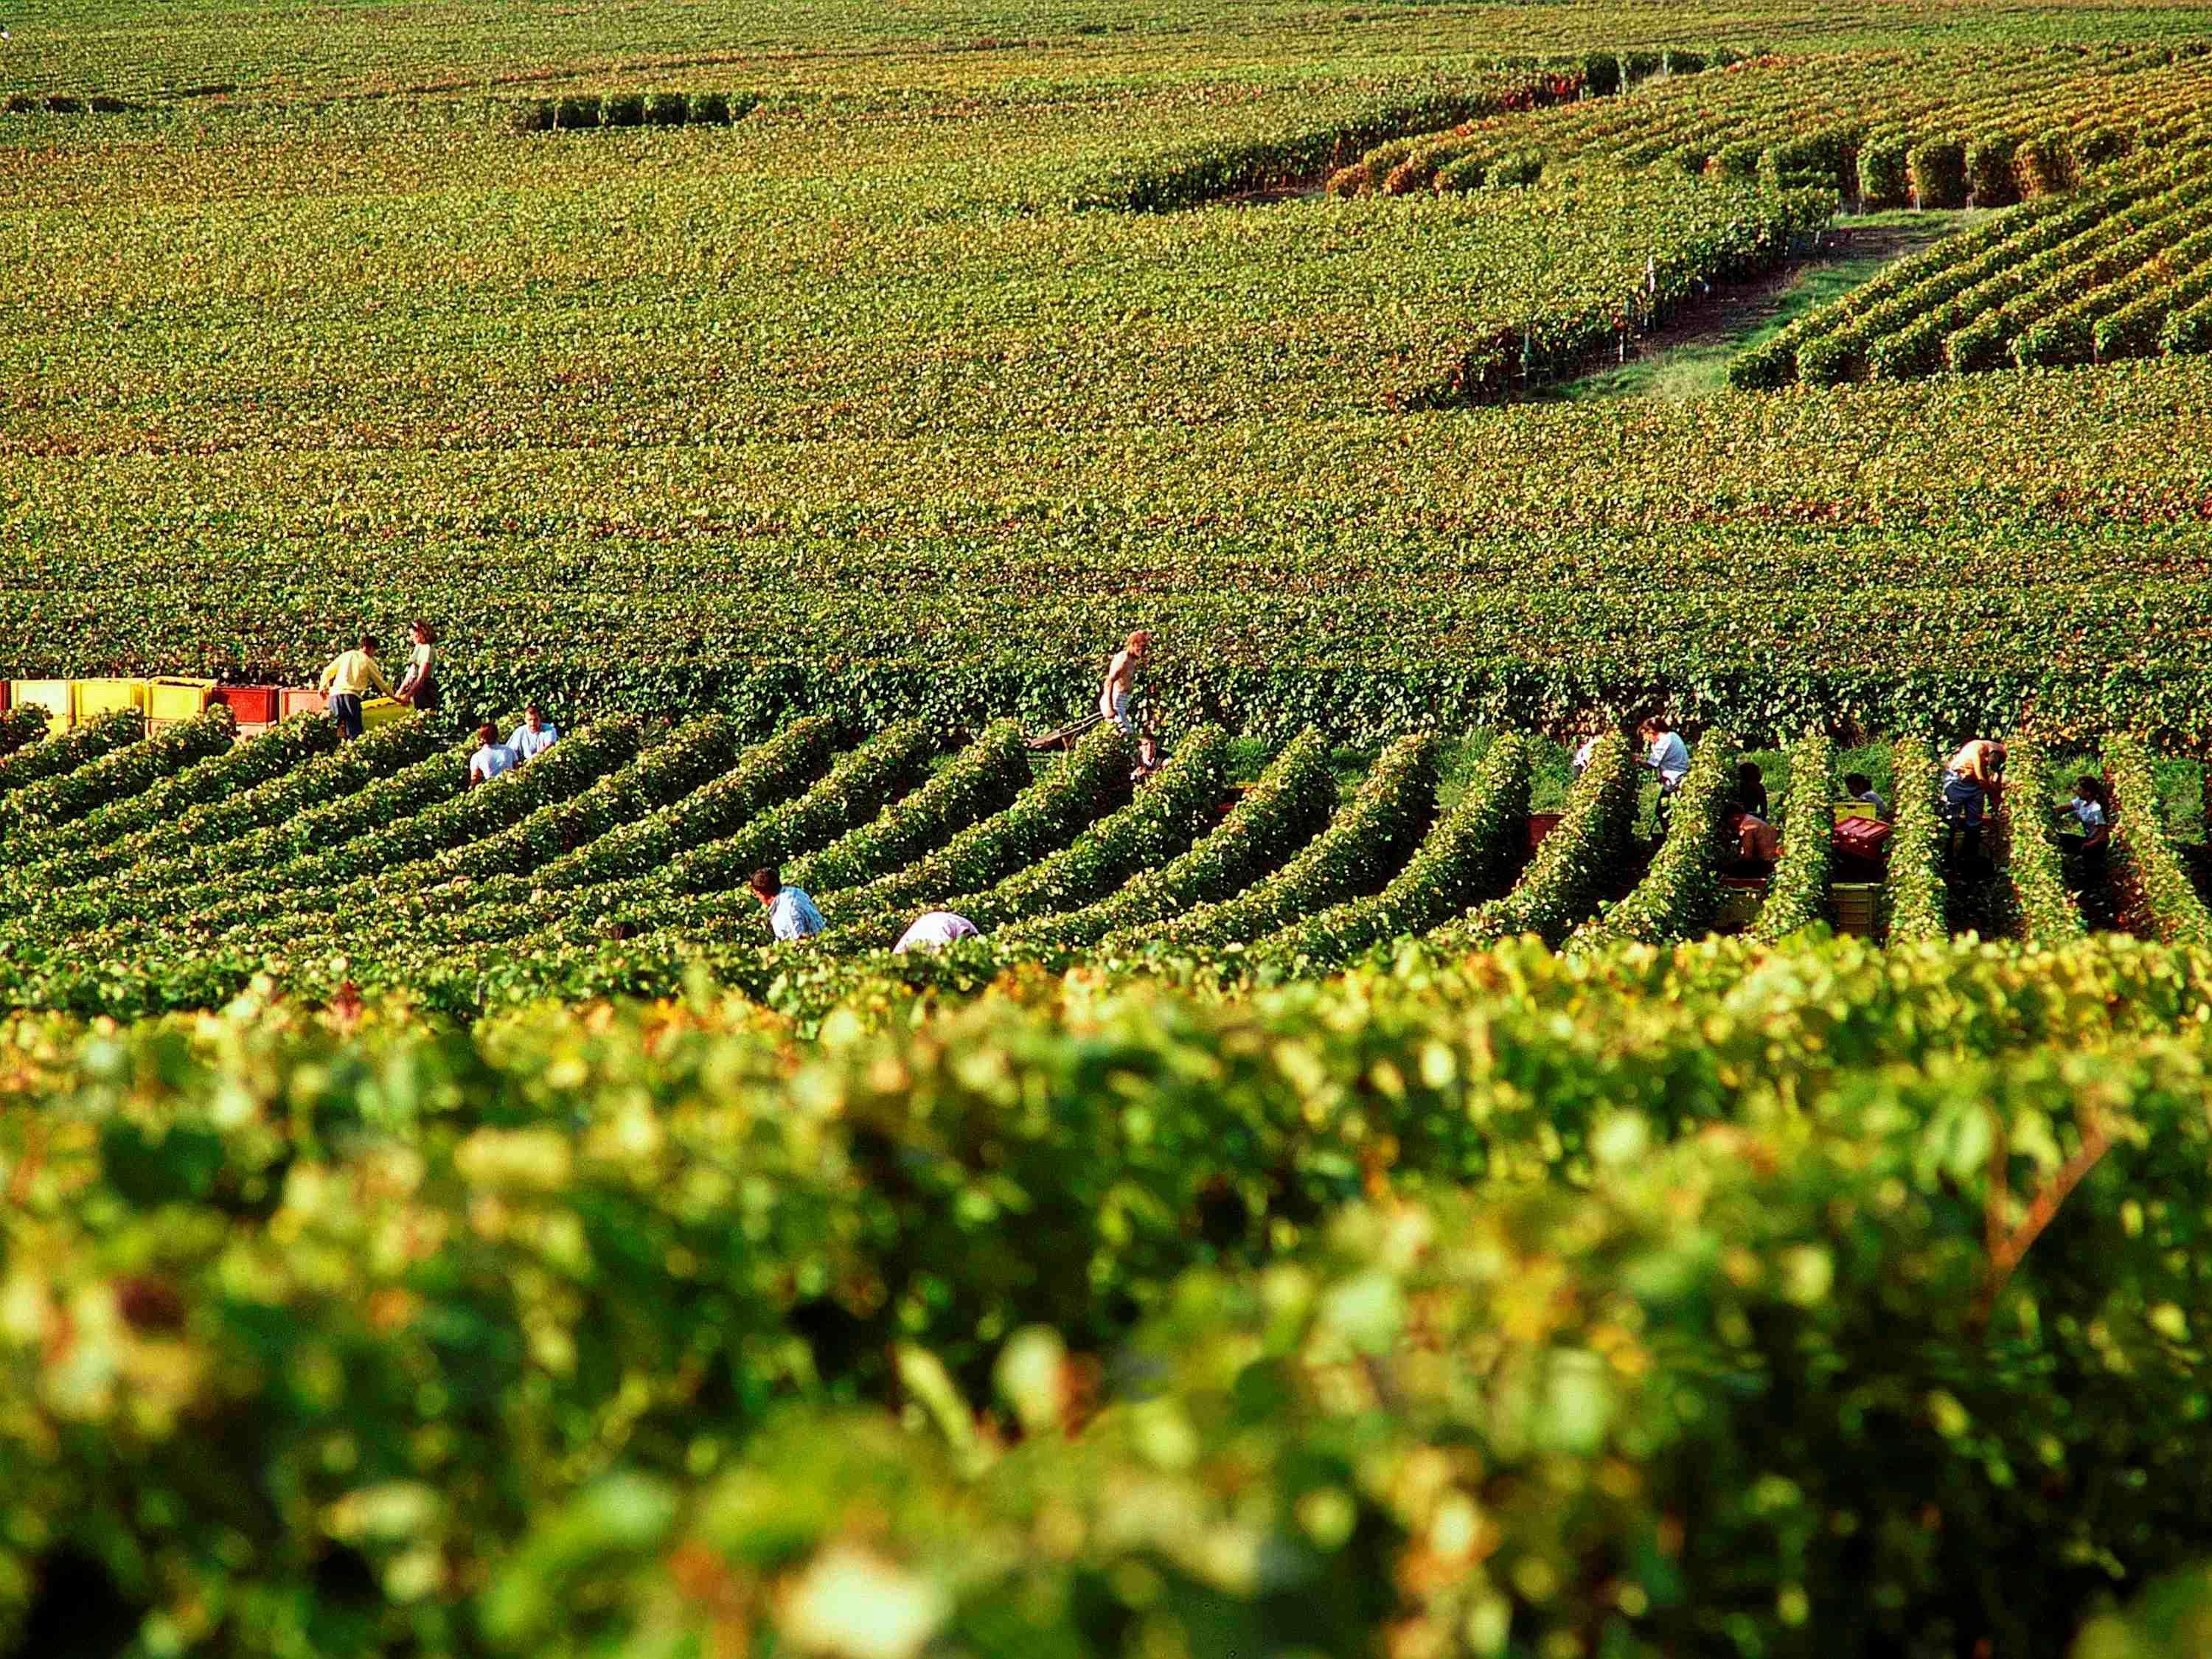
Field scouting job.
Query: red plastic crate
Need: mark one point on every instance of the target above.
(249, 705)
(1541, 824)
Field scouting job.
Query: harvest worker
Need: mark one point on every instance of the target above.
(1667, 756)
(1750, 789)
(1860, 787)
(1974, 781)
(933, 931)
(1121, 687)
(534, 736)
(418, 686)
(2091, 808)
(492, 756)
(348, 679)
(791, 913)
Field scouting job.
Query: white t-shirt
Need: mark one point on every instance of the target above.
(528, 745)
(1670, 757)
(489, 761)
(1581, 763)
(933, 931)
(2087, 814)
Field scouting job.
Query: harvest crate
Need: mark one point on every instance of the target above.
(250, 705)
(53, 696)
(5, 705)
(108, 696)
(304, 703)
(1541, 824)
(1858, 907)
(176, 699)
(1741, 899)
(381, 711)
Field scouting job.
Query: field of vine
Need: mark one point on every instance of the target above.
(141, 874)
(885, 398)
(1370, 1188)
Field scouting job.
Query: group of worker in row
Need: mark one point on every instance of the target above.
(354, 674)
(1973, 779)
(1973, 786)
(792, 913)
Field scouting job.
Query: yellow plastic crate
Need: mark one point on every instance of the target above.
(1858, 907)
(177, 698)
(107, 697)
(381, 711)
(53, 696)
(1846, 810)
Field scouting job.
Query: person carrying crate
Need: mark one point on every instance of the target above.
(1974, 784)
(349, 678)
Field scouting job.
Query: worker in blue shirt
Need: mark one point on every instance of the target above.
(791, 913)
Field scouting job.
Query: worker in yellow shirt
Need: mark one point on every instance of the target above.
(348, 679)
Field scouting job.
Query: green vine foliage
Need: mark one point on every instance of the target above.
(2043, 911)
(1797, 897)
(1471, 855)
(1364, 845)
(2156, 897)
(1565, 881)
(1320, 1221)
(1919, 903)
(1278, 815)
(1680, 894)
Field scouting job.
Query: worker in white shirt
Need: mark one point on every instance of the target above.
(2091, 808)
(351, 677)
(492, 756)
(933, 931)
(534, 736)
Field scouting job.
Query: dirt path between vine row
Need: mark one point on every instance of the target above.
(1700, 335)
(1741, 309)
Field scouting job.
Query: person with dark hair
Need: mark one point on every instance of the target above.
(534, 736)
(1859, 786)
(1750, 789)
(492, 756)
(348, 679)
(1667, 755)
(2091, 808)
(791, 913)
(418, 686)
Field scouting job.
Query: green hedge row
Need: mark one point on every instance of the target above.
(1279, 814)
(1797, 897)
(577, 1336)
(1472, 855)
(575, 111)
(1567, 878)
(1365, 844)
(1680, 893)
